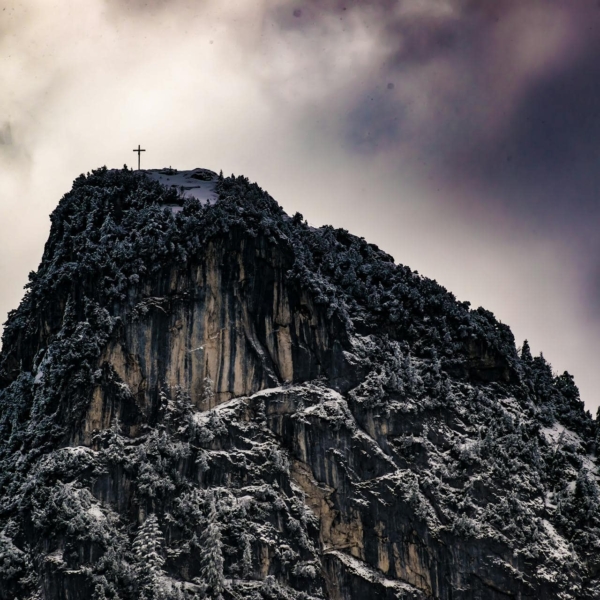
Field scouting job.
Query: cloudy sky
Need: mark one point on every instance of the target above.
(461, 136)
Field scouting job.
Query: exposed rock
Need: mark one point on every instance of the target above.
(220, 400)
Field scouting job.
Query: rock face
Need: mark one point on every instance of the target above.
(206, 398)
(188, 328)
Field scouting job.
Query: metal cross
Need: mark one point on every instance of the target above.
(139, 152)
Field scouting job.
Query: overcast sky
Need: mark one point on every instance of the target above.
(461, 136)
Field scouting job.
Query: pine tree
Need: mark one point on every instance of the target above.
(211, 560)
(247, 556)
(147, 548)
(586, 500)
(208, 394)
(526, 352)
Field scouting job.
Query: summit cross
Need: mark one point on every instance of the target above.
(139, 153)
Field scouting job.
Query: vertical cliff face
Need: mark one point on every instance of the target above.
(203, 397)
(226, 327)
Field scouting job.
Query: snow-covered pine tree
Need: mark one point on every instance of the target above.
(211, 548)
(247, 556)
(147, 548)
(526, 352)
(208, 392)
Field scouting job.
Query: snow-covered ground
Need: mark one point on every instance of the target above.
(558, 435)
(197, 183)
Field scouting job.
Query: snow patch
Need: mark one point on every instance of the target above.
(200, 184)
(78, 450)
(558, 546)
(95, 512)
(558, 435)
(364, 571)
(272, 391)
(55, 557)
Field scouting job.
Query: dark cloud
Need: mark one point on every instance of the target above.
(13, 152)
(377, 122)
(550, 149)
(6, 138)
(503, 95)
(422, 38)
(313, 12)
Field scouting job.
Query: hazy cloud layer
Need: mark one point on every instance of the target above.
(499, 95)
(458, 135)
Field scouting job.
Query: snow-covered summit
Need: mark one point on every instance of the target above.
(197, 183)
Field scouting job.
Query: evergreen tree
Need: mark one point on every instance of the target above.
(247, 557)
(208, 394)
(586, 501)
(526, 352)
(147, 548)
(211, 560)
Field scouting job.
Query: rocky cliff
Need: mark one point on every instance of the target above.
(202, 397)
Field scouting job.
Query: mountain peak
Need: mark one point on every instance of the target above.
(201, 396)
